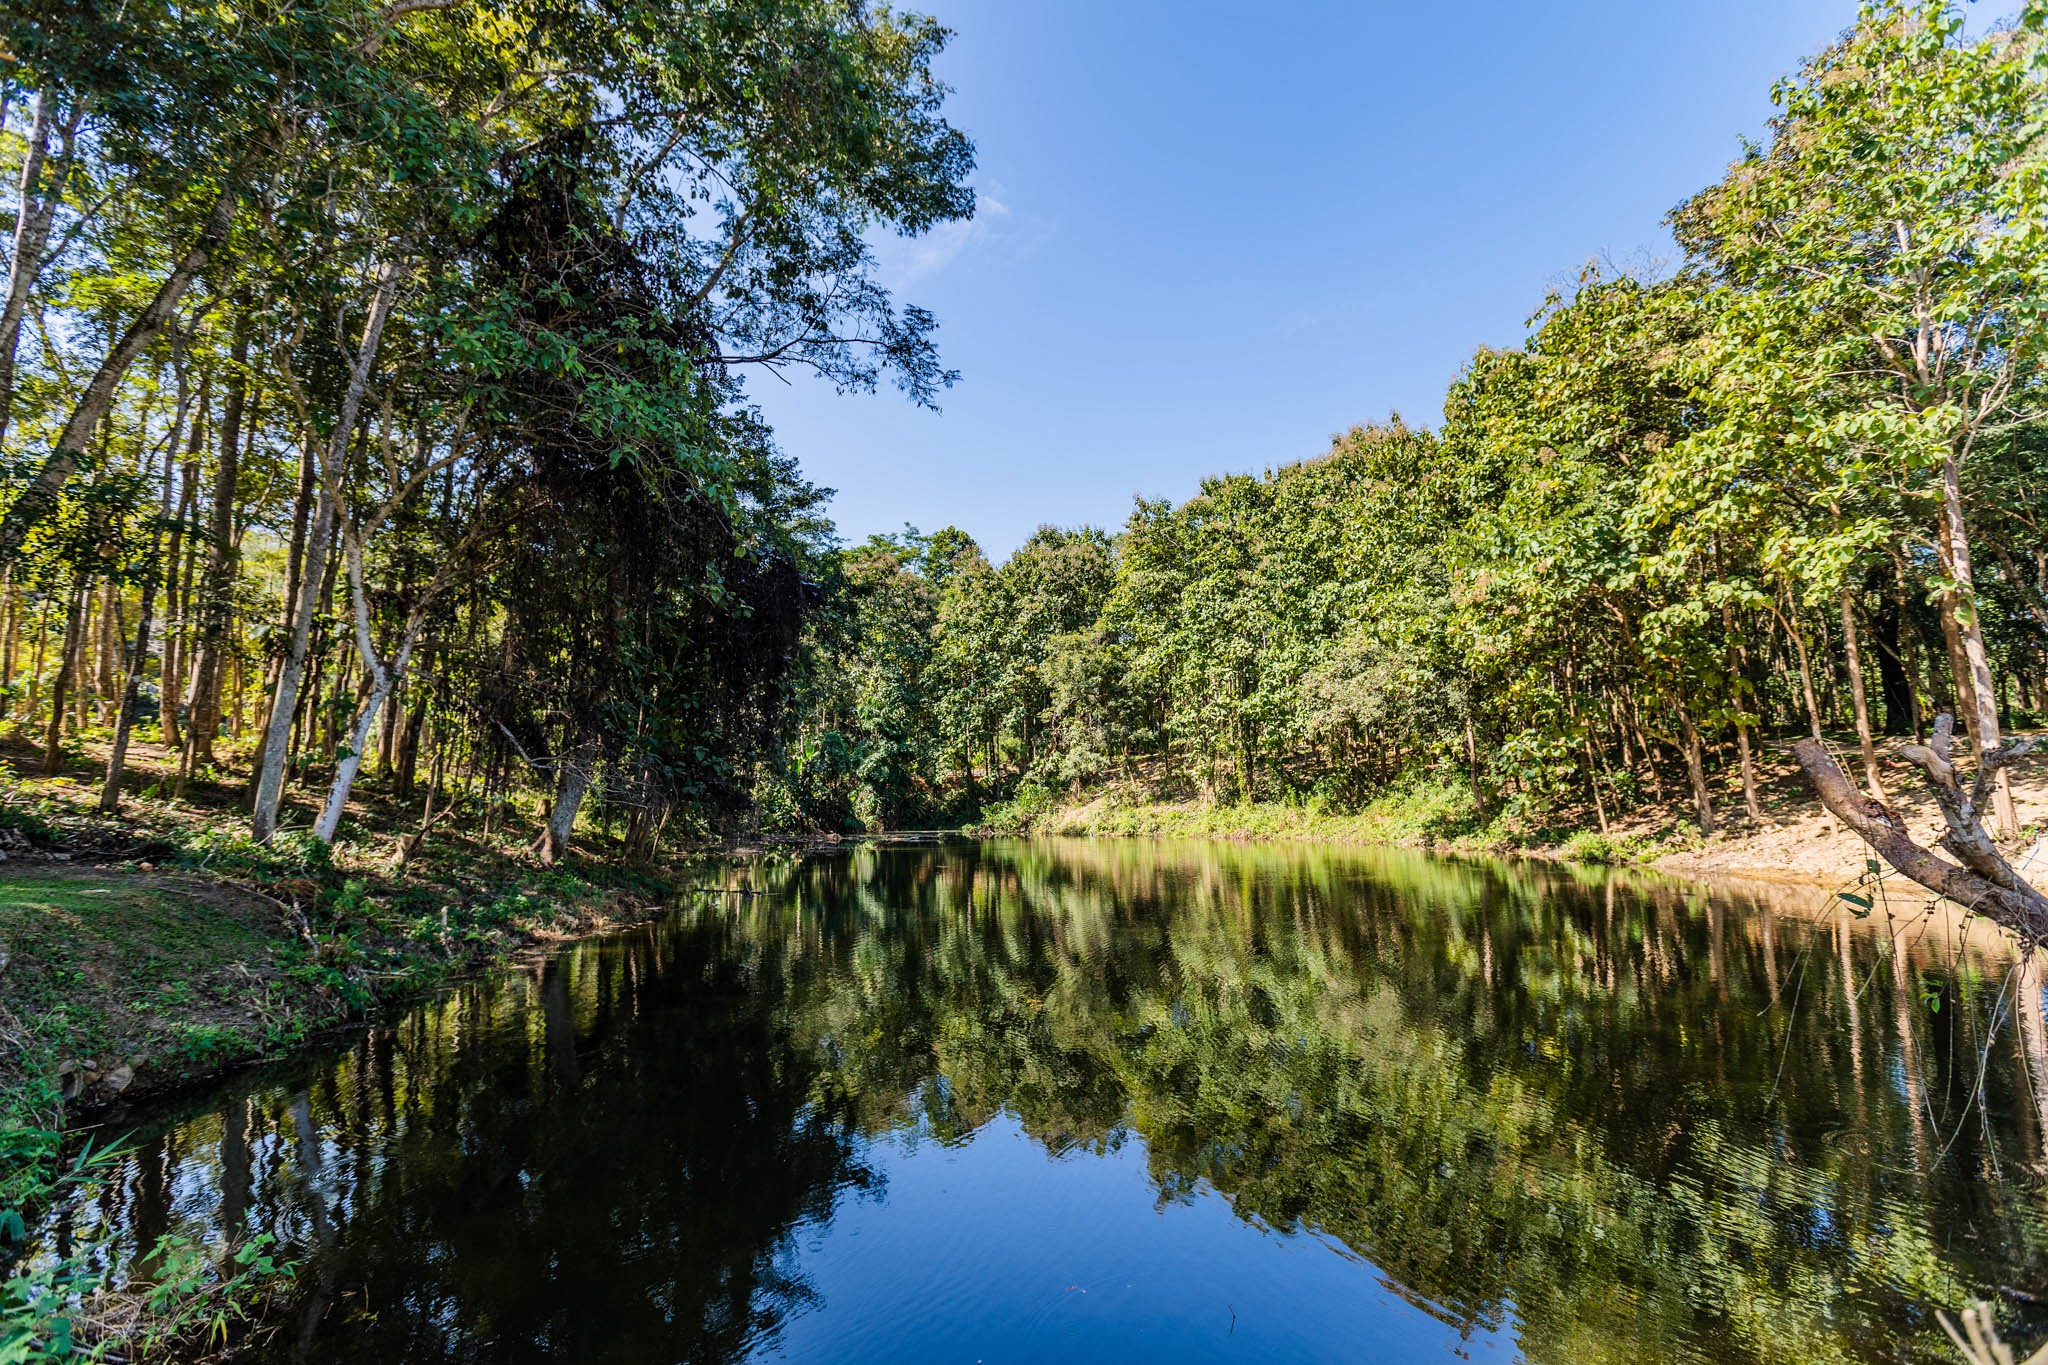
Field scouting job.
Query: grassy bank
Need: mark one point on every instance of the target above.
(148, 952)
(1442, 817)
(1790, 837)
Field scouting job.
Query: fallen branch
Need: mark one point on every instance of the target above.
(1981, 880)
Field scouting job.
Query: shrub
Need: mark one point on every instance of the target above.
(290, 853)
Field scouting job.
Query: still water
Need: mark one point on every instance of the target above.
(1127, 1101)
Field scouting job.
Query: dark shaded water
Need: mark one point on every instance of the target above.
(1125, 1100)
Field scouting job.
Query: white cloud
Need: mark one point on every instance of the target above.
(906, 260)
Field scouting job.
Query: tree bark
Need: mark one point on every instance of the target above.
(10, 638)
(1738, 670)
(285, 699)
(381, 681)
(1593, 784)
(1695, 768)
(39, 499)
(169, 673)
(107, 647)
(570, 785)
(35, 212)
(1962, 696)
(302, 511)
(138, 660)
(67, 667)
(1805, 670)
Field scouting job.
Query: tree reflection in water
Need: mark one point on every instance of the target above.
(1617, 1117)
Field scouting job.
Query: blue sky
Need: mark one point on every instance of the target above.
(1213, 235)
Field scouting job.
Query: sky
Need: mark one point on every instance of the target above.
(1211, 236)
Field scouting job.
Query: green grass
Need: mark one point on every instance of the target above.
(129, 979)
(1417, 814)
(107, 969)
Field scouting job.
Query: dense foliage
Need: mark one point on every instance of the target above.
(1795, 484)
(371, 384)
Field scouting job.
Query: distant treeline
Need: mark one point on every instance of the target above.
(1796, 484)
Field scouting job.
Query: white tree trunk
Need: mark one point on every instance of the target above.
(573, 782)
(382, 681)
(351, 760)
(1983, 689)
(270, 776)
(285, 702)
(34, 214)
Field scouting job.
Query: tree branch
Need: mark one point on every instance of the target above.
(1987, 885)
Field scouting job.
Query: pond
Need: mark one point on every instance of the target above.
(1116, 1100)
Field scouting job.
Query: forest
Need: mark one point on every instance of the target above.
(375, 420)
(1792, 484)
(374, 393)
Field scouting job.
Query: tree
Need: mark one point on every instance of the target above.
(1889, 242)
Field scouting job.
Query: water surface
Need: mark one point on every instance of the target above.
(1025, 1101)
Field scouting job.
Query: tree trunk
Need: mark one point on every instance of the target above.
(1472, 770)
(302, 510)
(1750, 805)
(53, 742)
(35, 664)
(1984, 690)
(350, 760)
(35, 211)
(39, 499)
(10, 637)
(270, 782)
(1853, 652)
(105, 676)
(1894, 682)
(387, 740)
(1696, 770)
(138, 660)
(1985, 882)
(1592, 783)
(236, 711)
(168, 673)
(1805, 670)
(285, 699)
(1962, 696)
(380, 681)
(406, 768)
(570, 785)
(1738, 671)
(216, 584)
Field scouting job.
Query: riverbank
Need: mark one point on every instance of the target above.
(121, 987)
(1792, 839)
(154, 951)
